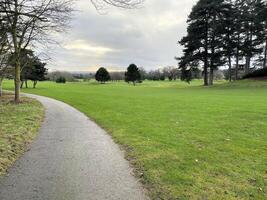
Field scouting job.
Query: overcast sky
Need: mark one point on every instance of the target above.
(146, 36)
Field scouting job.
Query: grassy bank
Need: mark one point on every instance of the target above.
(189, 142)
(19, 124)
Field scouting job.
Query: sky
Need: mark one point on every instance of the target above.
(147, 36)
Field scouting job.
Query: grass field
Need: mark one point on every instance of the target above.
(187, 141)
(19, 124)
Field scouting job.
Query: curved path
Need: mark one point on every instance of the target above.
(71, 159)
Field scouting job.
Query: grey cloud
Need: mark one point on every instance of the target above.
(147, 36)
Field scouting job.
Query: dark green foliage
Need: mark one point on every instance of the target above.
(32, 68)
(224, 32)
(61, 80)
(102, 75)
(203, 43)
(132, 75)
(257, 73)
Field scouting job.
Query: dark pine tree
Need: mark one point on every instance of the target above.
(38, 72)
(263, 17)
(102, 75)
(203, 43)
(133, 74)
(253, 29)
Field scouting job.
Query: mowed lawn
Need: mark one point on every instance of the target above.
(187, 141)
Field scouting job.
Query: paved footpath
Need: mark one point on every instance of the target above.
(71, 159)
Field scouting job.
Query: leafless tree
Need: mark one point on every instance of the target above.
(128, 4)
(4, 54)
(29, 22)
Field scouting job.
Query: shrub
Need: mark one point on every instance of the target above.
(61, 79)
(256, 74)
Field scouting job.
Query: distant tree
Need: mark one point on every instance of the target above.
(143, 73)
(53, 76)
(102, 75)
(171, 73)
(117, 76)
(132, 75)
(61, 79)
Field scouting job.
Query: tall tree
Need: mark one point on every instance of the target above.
(203, 41)
(28, 22)
(4, 55)
(252, 23)
(228, 28)
(263, 16)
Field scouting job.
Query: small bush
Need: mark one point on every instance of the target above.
(256, 74)
(61, 80)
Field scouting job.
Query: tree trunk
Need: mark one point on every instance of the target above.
(1, 90)
(265, 55)
(237, 66)
(17, 82)
(237, 58)
(230, 68)
(211, 76)
(206, 78)
(34, 84)
(247, 64)
(21, 84)
(17, 52)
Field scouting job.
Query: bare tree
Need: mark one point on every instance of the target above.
(29, 22)
(4, 55)
(128, 4)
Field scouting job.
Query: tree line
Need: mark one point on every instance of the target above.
(225, 33)
(138, 75)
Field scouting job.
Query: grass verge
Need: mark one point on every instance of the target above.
(19, 125)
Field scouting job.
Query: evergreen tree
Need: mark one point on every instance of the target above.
(203, 43)
(38, 72)
(133, 74)
(253, 28)
(32, 68)
(220, 31)
(102, 75)
(263, 16)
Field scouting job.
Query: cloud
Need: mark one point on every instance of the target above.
(83, 47)
(147, 36)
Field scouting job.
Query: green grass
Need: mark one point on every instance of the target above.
(187, 141)
(19, 124)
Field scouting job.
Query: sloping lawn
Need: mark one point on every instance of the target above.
(19, 124)
(187, 141)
